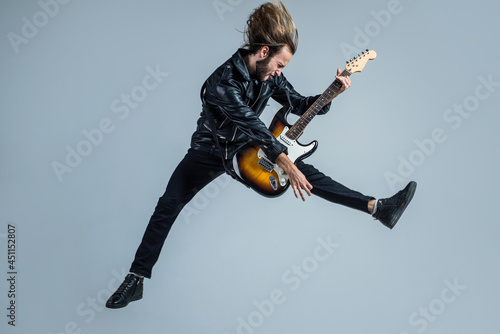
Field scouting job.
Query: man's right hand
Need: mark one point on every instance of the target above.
(297, 180)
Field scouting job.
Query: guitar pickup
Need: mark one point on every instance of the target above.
(266, 164)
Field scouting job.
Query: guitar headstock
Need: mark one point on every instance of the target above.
(358, 64)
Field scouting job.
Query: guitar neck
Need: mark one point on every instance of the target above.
(296, 130)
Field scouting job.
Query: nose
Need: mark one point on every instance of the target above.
(277, 72)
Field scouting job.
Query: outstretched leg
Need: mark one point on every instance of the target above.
(195, 171)
(386, 210)
(329, 189)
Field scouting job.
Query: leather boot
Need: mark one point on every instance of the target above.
(129, 290)
(389, 210)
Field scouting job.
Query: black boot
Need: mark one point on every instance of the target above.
(129, 290)
(390, 209)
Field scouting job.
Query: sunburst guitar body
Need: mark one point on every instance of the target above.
(259, 172)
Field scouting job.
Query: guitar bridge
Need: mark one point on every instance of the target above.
(266, 164)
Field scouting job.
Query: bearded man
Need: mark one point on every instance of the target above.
(234, 96)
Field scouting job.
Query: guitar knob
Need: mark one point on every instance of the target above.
(282, 181)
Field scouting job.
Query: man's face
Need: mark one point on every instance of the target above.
(271, 66)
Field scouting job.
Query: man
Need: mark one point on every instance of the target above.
(233, 98)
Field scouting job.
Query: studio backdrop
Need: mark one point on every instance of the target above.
(98, 101)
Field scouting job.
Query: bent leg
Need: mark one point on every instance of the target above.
(326, 188)
(195, 171)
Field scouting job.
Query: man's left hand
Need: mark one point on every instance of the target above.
(345, 80)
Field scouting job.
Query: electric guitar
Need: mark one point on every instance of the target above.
(266, 177)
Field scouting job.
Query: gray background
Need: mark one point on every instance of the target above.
(76, 233)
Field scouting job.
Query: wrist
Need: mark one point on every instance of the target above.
(284, 162)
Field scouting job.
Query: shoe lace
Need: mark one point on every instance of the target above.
(126, 286)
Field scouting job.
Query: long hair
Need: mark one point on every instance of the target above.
(271, 25)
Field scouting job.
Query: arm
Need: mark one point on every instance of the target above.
(300, 103)
(227, 96)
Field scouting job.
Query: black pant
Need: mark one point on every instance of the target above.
(195, 171)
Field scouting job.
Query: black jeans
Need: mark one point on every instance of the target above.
(194, 172)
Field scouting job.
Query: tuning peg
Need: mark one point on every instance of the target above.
(363, 53)
(366, 50)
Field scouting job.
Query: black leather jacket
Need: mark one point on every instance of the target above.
(236, 101)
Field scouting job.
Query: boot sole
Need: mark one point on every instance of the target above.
(133, 299)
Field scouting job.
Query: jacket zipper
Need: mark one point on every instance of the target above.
(260, 91)
(221, 124)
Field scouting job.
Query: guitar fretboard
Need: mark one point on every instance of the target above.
(296, 130)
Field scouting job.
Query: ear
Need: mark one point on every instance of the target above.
(264, 52)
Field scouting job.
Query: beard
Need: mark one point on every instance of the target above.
(262, 69)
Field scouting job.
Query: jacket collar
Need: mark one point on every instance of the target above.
(240, 64)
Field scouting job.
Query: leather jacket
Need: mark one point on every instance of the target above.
(235, 101)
